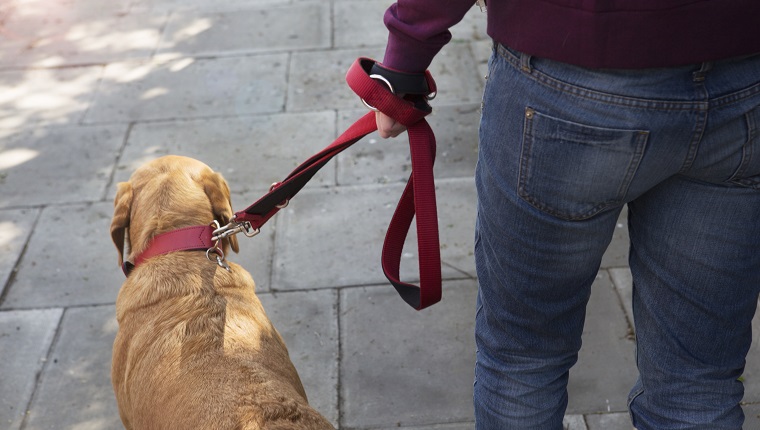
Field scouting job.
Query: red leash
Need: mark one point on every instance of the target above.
(417, 200)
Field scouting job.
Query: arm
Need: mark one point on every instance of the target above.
(418, 29)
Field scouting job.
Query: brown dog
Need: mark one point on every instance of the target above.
(195, 349)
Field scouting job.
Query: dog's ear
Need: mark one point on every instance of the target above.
(122, 206)
(218, 194)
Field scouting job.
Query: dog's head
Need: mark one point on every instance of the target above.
(166, 194)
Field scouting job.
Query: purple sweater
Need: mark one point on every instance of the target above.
(627, 34)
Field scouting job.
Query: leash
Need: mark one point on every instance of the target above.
(417, 200)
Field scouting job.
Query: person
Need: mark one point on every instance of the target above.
(588, 107)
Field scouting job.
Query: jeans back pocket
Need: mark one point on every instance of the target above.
(574, 171)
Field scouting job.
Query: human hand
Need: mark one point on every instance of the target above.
(387, 126)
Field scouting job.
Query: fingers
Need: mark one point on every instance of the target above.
(387, 126)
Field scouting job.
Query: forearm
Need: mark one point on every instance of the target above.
(418, 29)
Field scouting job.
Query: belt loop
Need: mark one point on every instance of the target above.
(525, 62)
(699, 75)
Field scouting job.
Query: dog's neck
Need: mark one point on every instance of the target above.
(183, 239)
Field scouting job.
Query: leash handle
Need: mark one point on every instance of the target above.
(417, 200)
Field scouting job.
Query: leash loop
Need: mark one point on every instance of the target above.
(417, 202)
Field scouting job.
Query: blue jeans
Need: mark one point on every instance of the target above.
(562, 150)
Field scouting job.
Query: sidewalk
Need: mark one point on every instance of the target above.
(90, 89)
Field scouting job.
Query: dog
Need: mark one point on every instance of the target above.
(194, 349)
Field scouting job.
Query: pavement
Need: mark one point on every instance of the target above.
(89, 90)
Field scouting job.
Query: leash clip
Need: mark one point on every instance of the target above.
(234, 228)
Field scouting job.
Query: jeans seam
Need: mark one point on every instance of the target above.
(630, 102)
(598, 96)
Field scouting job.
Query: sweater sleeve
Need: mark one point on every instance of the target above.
(418, 29)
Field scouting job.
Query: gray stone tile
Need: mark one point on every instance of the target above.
(453, 69)
(752, 369)
(574, 422)
(190, 88)
(330, 238)
(617, 253)
(58, 164)
(28, 334)
(472, 28)
(456, 74)
(46, 96)
(616, 421)
(481, 51)
(454, 426)
(172, 5)
(248, 30)
(606, 368)
(374, 160)
(335, 236)
(359, 23)
(15, 228)
(70, 260)
(752, 416)
(66, 33)
(308, 321)
(317, 79)
(621, 278)
(388, 364)
(251, 152)
(75, 391)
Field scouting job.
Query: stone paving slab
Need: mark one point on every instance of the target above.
(752, 369)
(606, 368)
(752, 416)
(15, 229)
(248, 30)
(158, 6)
(623, 281)
(75, 391)
(390, 375)
(454, 71)
(360, 23)
(46, 96)
(52, 165)
(55, 34)
(251, 152)
(329, 238)
(375, 160)
(28, 336)
(619, 421)
(69, 261)
(456, 426)
(190, 88)
(308, 321)
(617, 253)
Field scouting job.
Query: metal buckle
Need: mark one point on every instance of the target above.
(234, 228)
(217, 249)
(285, 202)
(382, 79)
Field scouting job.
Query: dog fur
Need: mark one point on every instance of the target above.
(195, 349)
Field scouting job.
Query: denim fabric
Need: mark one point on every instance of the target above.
(563, 149)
